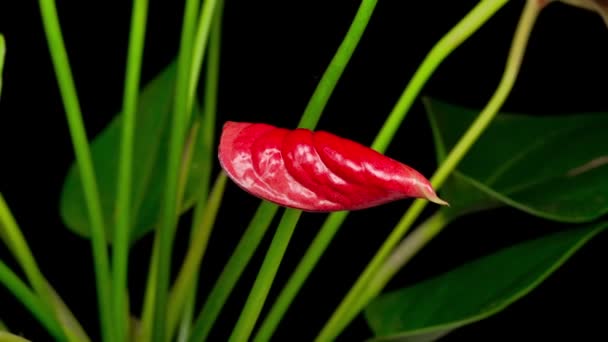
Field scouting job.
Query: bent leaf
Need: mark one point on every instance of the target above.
(150, 153)
(553, 167)
(474, 291)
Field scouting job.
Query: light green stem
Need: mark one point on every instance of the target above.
(356, 299)
(85, 163)
(232, 271)
(406, 250)
(206, 18)
(297, 279)
(185, 278)
(11, 234)
(125, 171)
(2, 56)
(166, 230)
(265, 276)
(8, 337)
(210, 98)
(39, 309)
(336, 67)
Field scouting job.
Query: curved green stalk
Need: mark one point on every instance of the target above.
(265, 277)
(8, 337)
(210, 98)
(31, 301)
(232, 271)
(359, 295)
(189, 271)
(266, 211)
(336, 67)
(298, 277)
(406, 250)
(2, 56)
(11, 234)
(125, 171)
(166, 230)
(463, 30)
(208, 15)
(85, 163)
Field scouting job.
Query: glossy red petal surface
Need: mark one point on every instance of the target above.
(314, 171)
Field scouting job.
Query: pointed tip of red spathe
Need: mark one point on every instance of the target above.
(430, 195)
(436, 199)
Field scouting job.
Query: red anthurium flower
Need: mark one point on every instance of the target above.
(315, 171)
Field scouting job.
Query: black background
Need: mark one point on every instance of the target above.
(273, 55)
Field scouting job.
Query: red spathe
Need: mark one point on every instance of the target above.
(315, 171)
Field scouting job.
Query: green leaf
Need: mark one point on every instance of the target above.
(554, 167)
(150, 153)
(474, 291)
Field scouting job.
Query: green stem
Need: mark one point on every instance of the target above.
(207, 139)
(186, 276)
(85, 163)
(206, 19)
(166, 230)
(8, 337)
(406, 250)
(265, 277)
(2, 56)
(336, 67)
(147, 316)
(149, 296)
(467, 26)
(14, 239)
(297, 279)
(232, 271)
(125, 173)
(31, 301)
(356, 299)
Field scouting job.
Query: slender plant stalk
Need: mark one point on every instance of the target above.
(208, 138)
(185, 279)
(8, 337)
(463, 30)
(206, 19)
(298, 277)
(266, 211)
(336, 67)
(125, 171)
(147, 315)
(357, 297)
(406, 250)
(265, 277)
(2, 56)
(85, 163)
(232, 271)
(32, 302)
(11, 234)
(166, 231)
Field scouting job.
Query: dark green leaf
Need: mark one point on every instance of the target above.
(150, 154)
(474, 291)
(554, 167)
